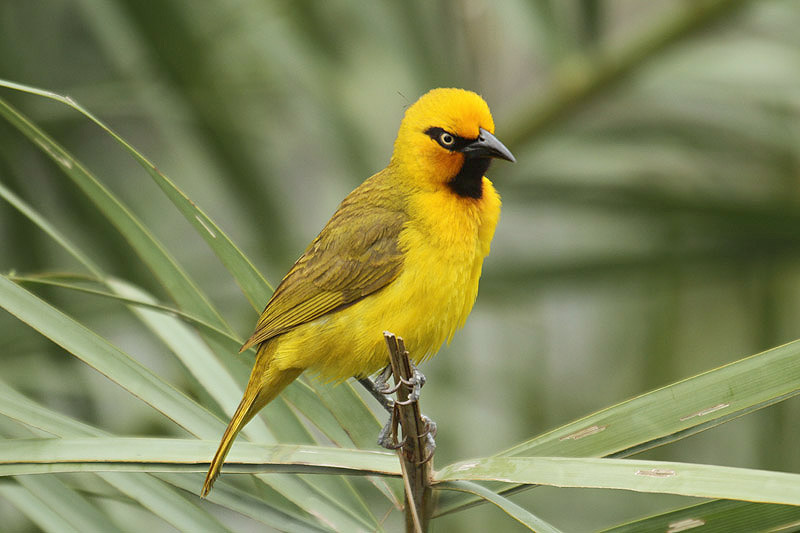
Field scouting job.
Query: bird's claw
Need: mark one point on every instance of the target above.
(430, 434)
(380, 388)
(416, 382)
(382, 380)
(387, 438)
(430, 427)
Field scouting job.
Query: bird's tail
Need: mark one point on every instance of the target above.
(265, 383)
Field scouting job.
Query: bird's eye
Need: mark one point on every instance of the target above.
(446, 139)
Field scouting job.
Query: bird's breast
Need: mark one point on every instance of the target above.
(444, 243)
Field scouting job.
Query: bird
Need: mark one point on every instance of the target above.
(402, 253)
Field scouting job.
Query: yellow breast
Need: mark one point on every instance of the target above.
(446, 246)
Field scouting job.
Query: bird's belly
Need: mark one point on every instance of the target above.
(424, 305)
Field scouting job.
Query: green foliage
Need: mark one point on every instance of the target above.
(649, 234)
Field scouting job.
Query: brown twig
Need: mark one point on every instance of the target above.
(416, 462)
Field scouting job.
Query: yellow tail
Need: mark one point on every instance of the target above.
(264, 385)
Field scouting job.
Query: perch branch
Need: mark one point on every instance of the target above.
(414, 453)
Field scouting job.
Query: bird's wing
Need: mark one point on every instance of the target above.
(355, 255)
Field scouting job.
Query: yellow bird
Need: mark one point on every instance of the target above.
(403, 253)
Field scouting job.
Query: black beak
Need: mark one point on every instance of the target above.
(487, 145)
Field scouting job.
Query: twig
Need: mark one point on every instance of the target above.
(411, 509)
(416, 463)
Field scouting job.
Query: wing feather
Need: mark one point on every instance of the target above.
(355, 254)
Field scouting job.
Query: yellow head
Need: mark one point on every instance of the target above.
(447, 138)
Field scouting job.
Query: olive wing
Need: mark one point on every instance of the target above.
(355, 255)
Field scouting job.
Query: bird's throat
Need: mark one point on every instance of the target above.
(468, 182)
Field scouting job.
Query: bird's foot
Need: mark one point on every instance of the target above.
(430, 434)
(416, 382)
(382, 379)
(387, 438)
(379, 389)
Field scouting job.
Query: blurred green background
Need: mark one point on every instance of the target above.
(650, 228)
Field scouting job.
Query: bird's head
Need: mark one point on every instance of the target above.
(447, 138)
